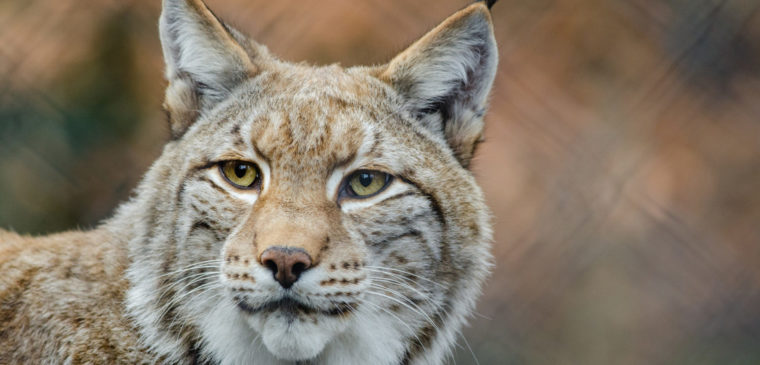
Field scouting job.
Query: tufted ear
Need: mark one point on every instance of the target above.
(205, 60)
(446, 76)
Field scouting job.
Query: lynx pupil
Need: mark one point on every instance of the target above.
(241, 170)
(366, 178)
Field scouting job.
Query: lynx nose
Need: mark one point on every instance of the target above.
(286, 263)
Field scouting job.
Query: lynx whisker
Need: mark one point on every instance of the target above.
(198, 265)
(392, 280)
(181, 298)
(411, 306)
(181, 284)
(201, 308)
(467, 343)
(424, 297)
(394, 316)
(403, 272)
(178, 296)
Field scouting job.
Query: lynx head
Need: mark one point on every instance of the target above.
(303, 212)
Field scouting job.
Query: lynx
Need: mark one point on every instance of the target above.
(319, 215)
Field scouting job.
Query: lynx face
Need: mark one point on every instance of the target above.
(324, 213)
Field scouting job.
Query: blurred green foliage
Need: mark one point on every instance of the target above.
(53, 138)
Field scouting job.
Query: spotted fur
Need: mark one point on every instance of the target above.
(176, 275)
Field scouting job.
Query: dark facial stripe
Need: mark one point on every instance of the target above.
(396, 197)
(186, 178)
(375, 144)
(386, 240)
(433, 202)
(166, 293)
(238, 143)
(214, 185)
(425, 336)
(203, 225)
(237, 138)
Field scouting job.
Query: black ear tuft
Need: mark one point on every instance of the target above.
(489, 3)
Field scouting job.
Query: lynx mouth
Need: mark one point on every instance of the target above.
(292, 330)
(292, 308)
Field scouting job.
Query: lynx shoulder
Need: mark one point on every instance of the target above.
(298, 213)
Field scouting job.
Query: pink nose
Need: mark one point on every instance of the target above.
(286, 263)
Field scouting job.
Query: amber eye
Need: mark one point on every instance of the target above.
(366, 183)
(243, 175)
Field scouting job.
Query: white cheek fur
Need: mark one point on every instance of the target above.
(249, 196)
(333, 183)
(395, 187)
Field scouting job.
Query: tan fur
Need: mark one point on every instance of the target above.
(61, 297)
(418, 48)
(176, 275)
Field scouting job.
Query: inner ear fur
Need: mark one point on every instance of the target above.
(205, 60)
(445, 77)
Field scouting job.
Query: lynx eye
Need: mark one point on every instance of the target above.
(365, 183)
(243, 175)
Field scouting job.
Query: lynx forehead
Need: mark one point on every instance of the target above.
(298, 213)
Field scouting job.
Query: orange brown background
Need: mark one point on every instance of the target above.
(622, 154)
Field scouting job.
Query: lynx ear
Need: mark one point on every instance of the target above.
(204, 60)
(446, 76)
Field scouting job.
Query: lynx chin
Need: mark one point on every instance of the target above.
(319, 215)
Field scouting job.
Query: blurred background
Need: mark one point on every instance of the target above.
(622, 154)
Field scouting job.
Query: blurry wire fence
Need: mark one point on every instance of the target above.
(622, 154)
